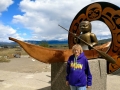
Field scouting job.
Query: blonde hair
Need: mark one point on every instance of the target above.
(77, 46)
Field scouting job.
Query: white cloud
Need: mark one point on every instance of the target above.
(4, 5)
(7, 31)
(24, 34)
(43, 17)
(101, 30)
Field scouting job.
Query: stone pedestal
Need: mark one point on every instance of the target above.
(98, 69)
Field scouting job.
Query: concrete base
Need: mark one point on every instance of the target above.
(98, 69)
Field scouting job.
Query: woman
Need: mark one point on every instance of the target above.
(78, 71)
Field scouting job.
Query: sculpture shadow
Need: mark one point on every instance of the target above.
(46, 88)
(1, 80)
(117, 72)
(50, 77)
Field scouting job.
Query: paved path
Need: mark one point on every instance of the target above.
(25, 74)
(24, 81)
(113, 81)
(41, 81)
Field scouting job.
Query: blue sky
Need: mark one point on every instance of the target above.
(39, 19)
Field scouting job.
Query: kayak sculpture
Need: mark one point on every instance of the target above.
(48, 55)
(102, 11)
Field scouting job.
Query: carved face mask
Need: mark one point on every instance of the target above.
(85, 26)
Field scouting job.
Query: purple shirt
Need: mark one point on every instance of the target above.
(78, 71)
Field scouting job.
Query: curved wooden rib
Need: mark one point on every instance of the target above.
(48, 55)
(43, 54)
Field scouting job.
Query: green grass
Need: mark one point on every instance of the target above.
(7, 53)
(4, 59)
(58, 46)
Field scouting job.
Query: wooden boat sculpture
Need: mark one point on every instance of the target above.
(48, 55)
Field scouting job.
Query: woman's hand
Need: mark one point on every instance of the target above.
(67, 83)
(88, 86)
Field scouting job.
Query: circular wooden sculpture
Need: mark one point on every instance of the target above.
(110, 15)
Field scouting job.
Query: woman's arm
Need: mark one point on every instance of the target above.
(88, 74)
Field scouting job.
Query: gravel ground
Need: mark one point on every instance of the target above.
(25, 73)
(25, 64)
(28, 68)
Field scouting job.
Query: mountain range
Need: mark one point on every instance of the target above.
(49, 42)
(35, 42)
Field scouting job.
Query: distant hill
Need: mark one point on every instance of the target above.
(104, 41)
(34, 42)
(49, 42)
